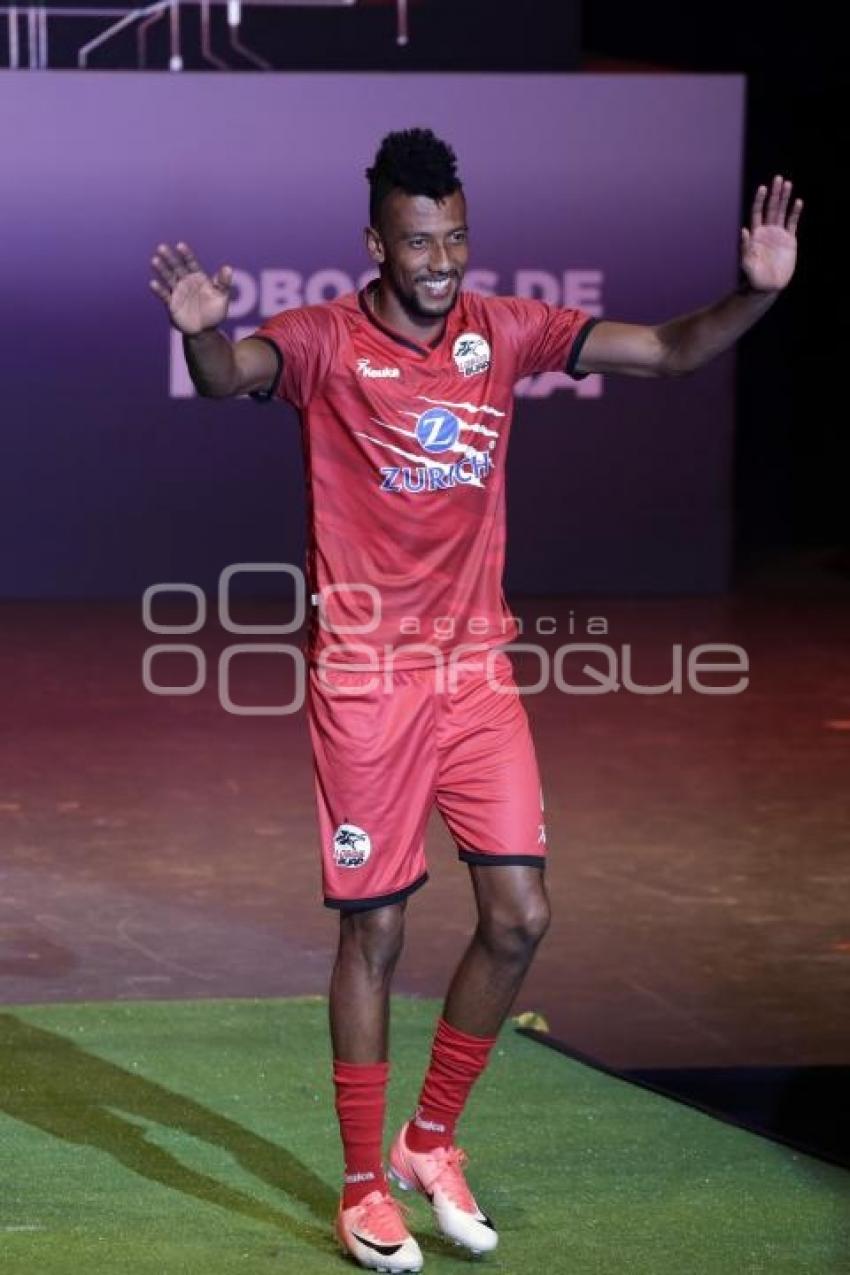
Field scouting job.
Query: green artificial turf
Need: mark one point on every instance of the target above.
(200, 1138)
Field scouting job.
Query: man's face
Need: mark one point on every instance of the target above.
(421, 248)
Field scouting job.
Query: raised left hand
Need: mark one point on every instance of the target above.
(769, 246)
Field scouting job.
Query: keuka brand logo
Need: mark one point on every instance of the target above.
(364, 368)
(432, 1125)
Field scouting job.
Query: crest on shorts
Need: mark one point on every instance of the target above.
(352, 846)
(471, 353)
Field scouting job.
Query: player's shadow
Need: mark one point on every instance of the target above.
(50, 1083)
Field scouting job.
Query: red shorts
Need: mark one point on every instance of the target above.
(386, 751)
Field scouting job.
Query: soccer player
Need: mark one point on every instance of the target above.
(405, 397)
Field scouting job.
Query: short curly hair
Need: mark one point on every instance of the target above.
(415, 161)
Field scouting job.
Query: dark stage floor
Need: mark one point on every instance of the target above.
(157, 847)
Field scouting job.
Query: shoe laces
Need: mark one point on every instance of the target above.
(451, 1180)
(384, 1217)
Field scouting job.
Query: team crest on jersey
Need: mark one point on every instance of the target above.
(471, 354)
(352, 846)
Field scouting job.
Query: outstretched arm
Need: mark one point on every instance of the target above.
(197, 304)
(768, 257)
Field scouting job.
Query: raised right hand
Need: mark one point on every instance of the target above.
(195, 300)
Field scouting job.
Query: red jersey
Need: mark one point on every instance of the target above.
(404, 451)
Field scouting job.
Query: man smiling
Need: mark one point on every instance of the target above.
(405, 396)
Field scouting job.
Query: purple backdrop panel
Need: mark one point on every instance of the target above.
(617, 193)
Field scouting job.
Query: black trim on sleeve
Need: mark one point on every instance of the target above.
(493, 860)
(576, 349)
(380, 901)
(264, 396)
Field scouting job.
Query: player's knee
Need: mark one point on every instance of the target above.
(536, 920)
(374, 937)
(513, 933)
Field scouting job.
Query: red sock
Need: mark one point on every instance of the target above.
(457, 1060)
(361, 1092)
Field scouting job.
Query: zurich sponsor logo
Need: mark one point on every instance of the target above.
(437, 430)
(418, 478)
